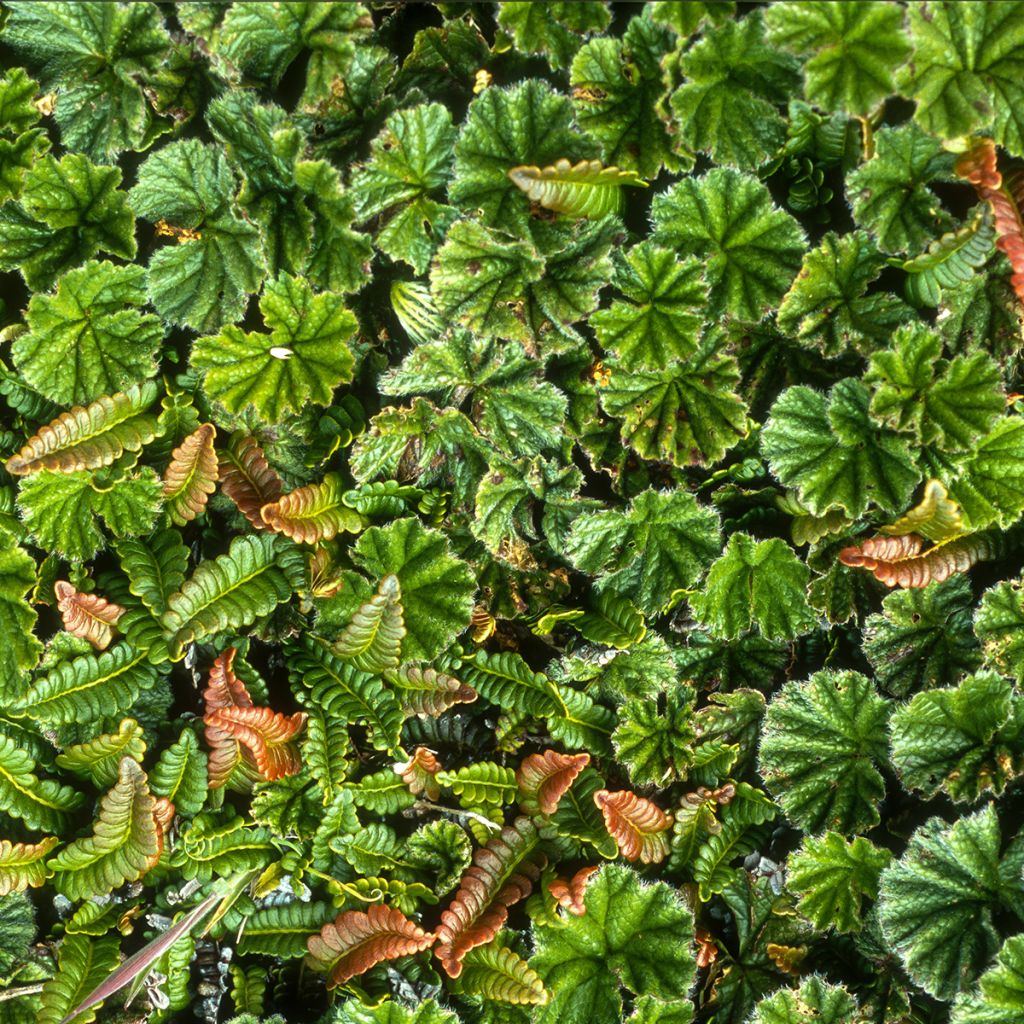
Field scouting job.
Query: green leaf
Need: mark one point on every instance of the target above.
(827, 308)
(655, 742)
(989, 485)
(950, 403)
(966, 71)
(204, 278)
(554, 29)
(822, 745)
(256, 574)
(1000, 995)
(632, 936)
(833, 877)
(20, 650)
(97, 56)
(83, 963)
(735, 82)
(936, 902)
(61, 509)
(922, 639)
(616, 85)
(281, 930)
(437, 588)
(852, 50)
(751, 251)
(180, 775)
(126, 841)
(758, 584)
(409, 160)
(42, 805)
(611, 620)
(88, 339)
(816, 1001)
(21, 143)
(88, 688)
(890, 195)
(662, 543)
(659, 327)
(999, 625)
(98, 759)
(479, 276)
(302, 359)
(834, 454)
(528, 124)
(964, 740)
(426, 1011)
(69, 210)
(506, 680)
(687, 415)
(155, 567)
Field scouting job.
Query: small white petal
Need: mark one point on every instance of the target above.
(282, 353)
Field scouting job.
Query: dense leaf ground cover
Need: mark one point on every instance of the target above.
(510, 512)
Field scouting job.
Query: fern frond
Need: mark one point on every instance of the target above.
(481, 785)
(419, 773)
(936, 517)
(283, 930)
(247, 478)
(427, 693)
(900, 562)
(372, 641)
(155, 567)
(99, 759)
(87, 615)
(506, 680)
(191, 477)
(265, 736)
(544, 778)
(497, 973)
(569, 893)
(42, 804)
(949, 261)
(637, 825)
(88, 437)
(502, 873)
(313, 513)
(22, 864)
(180, 775)
(585, 189)
(354, 942)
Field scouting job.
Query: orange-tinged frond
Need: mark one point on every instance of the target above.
(224, 689)
(266, 737)
(502, 874)
(978, 166)
(87, 615)
(637, 825)
(419, 771)
(354, 942)
(900, 562)
(545, 778)
(191, 477)
(22, 864)
(313, 513)
(248, 479)
(569, 894)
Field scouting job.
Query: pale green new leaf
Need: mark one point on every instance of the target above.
(949, 403)
(616, 86)
(204, 278)
(852, 51)
(936, 903)
(409, 160)
(735, 83)
(437, 588)
(662, 543)
(823, 743)
(527, 124)
(751, 251)
(20, 650)
(632, 936)
(302, 359)
(479, 276)
(965, 740)
(834, 454)
(761, 585)
(827, 308)
(89, 339)
(890, 195)
(687, 415)
(833, 877)
(69, 210)
(586, 189)
(97, 56)
(659, 327)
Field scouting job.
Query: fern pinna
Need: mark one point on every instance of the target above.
(511, 512)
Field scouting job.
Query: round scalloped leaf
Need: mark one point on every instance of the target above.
(816, 1001)
(1000, 995)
